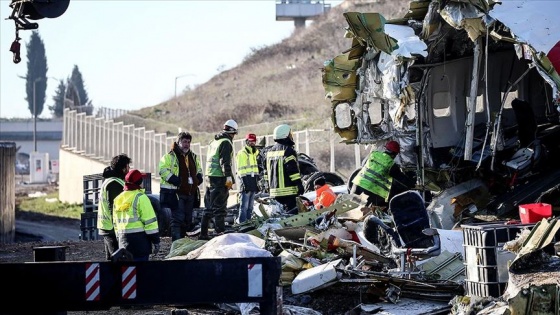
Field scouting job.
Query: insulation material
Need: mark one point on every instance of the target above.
(409, 43)
(455, 13)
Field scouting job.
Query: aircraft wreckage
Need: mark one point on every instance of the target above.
(470, 90)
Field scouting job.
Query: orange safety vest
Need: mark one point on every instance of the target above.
(325, 197)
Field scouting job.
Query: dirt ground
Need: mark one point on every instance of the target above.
(332, 300)
(335, 300)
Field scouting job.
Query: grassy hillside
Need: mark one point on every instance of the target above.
(274, 84)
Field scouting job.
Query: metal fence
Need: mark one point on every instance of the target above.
(101, 139)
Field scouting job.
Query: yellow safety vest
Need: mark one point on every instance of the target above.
(247, 162)
(133, 213)
(104, 213)
(168, 165)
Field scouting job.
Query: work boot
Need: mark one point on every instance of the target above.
(204, 228)
(175, 233)
(220, 224)
(204, 238)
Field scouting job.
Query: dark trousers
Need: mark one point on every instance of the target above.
(182, 217)
(111, 244)
(373, 199)
(168, 199)
(215, 203)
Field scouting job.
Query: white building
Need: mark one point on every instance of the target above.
(48, 137)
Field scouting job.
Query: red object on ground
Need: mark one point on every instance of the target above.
(534, 212)
(554, 56)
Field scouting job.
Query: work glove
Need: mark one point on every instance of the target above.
(229, 182)
(156, 249)
(175, 180)
(199, 178)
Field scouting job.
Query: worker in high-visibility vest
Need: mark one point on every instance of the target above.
(219, 158)
(135, 220)
(111, 187)
(181, 173)
(248, 173)
(376, 178)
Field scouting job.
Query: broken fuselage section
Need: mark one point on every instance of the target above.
(470, 89)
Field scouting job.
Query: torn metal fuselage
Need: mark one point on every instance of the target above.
(441, 81)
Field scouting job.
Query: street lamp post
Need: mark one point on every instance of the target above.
(35, 115)
(181, 76)
(35, 112)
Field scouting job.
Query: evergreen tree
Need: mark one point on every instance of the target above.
(36, 78)
(72, 97)
(57, 108)
(78, 83)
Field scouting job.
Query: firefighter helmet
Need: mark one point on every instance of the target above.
(282, 132)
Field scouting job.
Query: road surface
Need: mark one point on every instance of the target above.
(48, 231)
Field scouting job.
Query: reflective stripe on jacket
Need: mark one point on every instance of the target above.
(133, 213)
(104, 212)
(247, 162)
(374, 177)
(248, 168)
(168, 165)
(214, 160)
(283, 171)
(325, 197)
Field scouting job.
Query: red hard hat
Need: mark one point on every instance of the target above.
(251, 137)
(393, 146)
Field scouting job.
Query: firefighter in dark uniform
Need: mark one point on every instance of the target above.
(282, 168)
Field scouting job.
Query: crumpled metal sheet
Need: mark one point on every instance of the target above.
(533, 22)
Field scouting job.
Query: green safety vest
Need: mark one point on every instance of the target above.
(213, 165)
(374, 177)
(104, 213)
(133, 213)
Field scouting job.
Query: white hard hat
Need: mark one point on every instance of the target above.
(230, 126)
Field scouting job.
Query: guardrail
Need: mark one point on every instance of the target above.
(101, 139)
